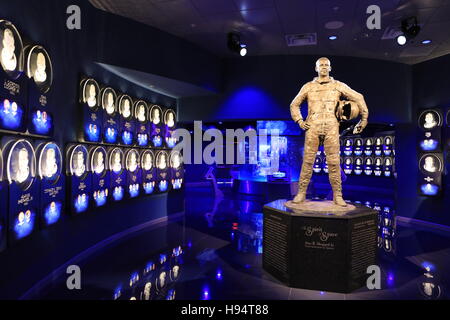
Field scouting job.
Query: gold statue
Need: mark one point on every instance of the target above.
(323, 95)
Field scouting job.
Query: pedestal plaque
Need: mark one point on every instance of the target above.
(327, 252)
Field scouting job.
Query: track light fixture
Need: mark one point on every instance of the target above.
(235, 44)
(410, 30)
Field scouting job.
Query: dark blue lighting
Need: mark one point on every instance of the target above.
(428, 266)
(428, 145)
(127, 138)
(149, 187)
(111, 135)
(81, 203)
(133, 190)
(429, 189)
(162, 258)
(163, 185)
(142, 139)
(117, 293)
(157, 141)
(205, 293)
(118, 193)
(219, 274)
(92, 132)
(52, 213)
(42, 122)
(10, 115)
(24, 227)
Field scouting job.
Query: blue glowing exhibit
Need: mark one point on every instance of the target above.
(149, 187)
(142, 139)
(11, 115)
(100, 197)
(111, 134)
(52, 212)
(429, 189)
(118, 193)
(127, 138)
(92, 132)
(429, 145)
(81, 203)
(133, 190)
(163, 185)
(24, 224)
(157, 141)
(42, 122)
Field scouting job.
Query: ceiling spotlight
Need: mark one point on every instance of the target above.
(235, 44)
(410, 29)
(332, 37)
(427, 41)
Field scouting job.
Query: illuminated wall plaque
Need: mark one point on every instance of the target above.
(80, 178)
(162, 171)
(127, 122)
(111, 119)
(358, 165)
(368, 166)
(177, 170)
(3, 206)
(118, 174)
(141, 114)
(388, 145)
(148, 171)
(92, 112)
(348, 165)
(170, 122)
(378, 146)
(358, 147)
(317, 167)
(430, 122)
(23, 189)
(388, 167)
(134, 175)
(368, 146)
(52, 190)
(431, 166)
(156, 126)
(378, 167)
(100, 176)
(347, 147)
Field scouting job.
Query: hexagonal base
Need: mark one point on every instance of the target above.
(326, 252)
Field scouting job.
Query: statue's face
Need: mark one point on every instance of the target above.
(100, 159)
(23, 159)
(79, 160)
(117, 158)
(323, 67)
(51, 157)
(429, 162)
(429, 118)
(92, 92)
(40, 62)
(110, 99)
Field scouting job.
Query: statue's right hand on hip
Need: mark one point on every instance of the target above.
(304, 125)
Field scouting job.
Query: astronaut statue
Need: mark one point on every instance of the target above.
(325, 110)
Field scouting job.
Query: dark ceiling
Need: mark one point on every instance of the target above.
(264, 25)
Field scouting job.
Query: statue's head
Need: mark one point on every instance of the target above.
(323, 67)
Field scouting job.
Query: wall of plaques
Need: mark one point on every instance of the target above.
(372, 156)
(32, 187)
(431, 165)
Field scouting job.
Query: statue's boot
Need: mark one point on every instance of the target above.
(334, 172)
(305, 177)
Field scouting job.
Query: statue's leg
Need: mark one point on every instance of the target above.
(331, 145)
(309, 156)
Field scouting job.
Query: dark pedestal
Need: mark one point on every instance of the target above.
(319, 251)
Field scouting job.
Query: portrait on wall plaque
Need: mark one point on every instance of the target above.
(132, 161)
(147, 160)
(116, 161)
(170, 125)
(11, 50)
(11, 115)
(161, 160)
(156, 134)
(78, 161)
(90, 93)
(430, 119)
(98, 161)
(21, 164)
(50, 162)
(170, 118)
(39, 68)
(126, 106)
(141, 111)
(109, 101)
(429, 163)
(155, 115)
(162, 166)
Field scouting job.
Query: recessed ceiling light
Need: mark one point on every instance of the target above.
(333, 25)
(401, 40)
(332, 37)
(427, 41)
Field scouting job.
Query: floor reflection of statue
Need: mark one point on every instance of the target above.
(323, 94)
(23, 170)
(430, 121)
(40, 74)
(430, 164)
(51, 167)
(79, 167)
(8, 56)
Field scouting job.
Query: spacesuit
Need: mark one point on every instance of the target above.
(323, 95)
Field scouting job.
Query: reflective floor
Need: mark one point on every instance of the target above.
(214, 252)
